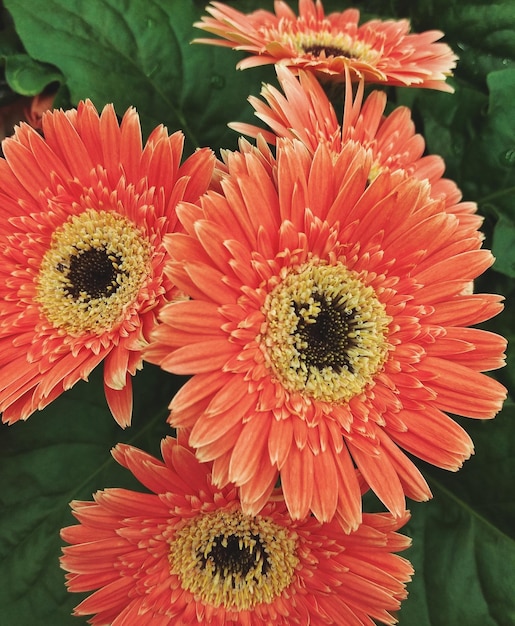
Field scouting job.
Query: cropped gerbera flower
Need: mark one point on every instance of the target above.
(82, 216)
(327, 329)
(305, 112)
(328, 45)
(187, 554)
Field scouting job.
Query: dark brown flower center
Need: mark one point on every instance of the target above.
(326, 335)
(325, 332)
(229, 559)
(92, 273)
(234, 556)
(329, 51)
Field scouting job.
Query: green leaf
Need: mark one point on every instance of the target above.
(475, 134)
(21, 74)
(59, 455)
(450, 123)
(139, 54)
(464, 567)
(464, 539)
(29, 77)
(504, 246)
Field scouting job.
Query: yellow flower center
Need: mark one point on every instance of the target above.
(325, 332)
(93, 270)
(232, 560)
(327, 43)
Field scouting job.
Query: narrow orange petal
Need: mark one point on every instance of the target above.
(297, 482)
(325, 492)
(198, 358)
(381, 476)
(120, 401)
(250, 449)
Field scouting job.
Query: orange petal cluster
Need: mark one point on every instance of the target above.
(303, 111)
(287, 238)
(89, 177)
(331, 45)
(127, 549)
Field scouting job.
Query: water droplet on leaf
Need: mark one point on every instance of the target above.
(508, 157)
(217, 82)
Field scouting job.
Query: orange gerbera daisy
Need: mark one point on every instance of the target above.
(327, 328)
(305, 112)
(82, 216)
(379, 51)
(187, 554)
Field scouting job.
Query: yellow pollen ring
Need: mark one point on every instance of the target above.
(233, 560)
(96, 264)
(334, 44)
(325, 332)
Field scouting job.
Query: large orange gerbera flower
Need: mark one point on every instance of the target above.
(327, 328)
(379, 51)
(187, 554)
(305, 112)
(82, 216)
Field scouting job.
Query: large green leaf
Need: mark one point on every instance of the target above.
(503, 245)
(465, 567)
(139, 54)
(20, 74)
(464, 539)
